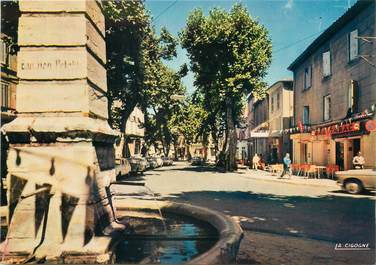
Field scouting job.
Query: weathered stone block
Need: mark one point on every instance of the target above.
(91, 7)
(69, 96)
(60, 64)
(79, 31)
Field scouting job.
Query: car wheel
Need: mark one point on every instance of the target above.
(353, 187)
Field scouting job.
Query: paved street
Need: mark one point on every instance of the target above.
(295, 221)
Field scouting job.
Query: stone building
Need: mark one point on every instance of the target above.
(258, 127)
(61, 158)
(135, 132)
(9, 80)
(280, 116)
(335, 92)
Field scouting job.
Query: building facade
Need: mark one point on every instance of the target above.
(134, 132)
(9, 80)
(335, 92)
(258, 127)
(280, 117)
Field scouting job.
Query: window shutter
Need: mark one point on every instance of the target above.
(3, 52)
(326, 63)
(353, 44)
(355, 96)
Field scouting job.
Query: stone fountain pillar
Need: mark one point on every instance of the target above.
(61, 156)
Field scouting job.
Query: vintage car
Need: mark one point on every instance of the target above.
(152, 162)
(197, 161)
(122, 167)
(167, 161)
(138, 164)
(354, 181)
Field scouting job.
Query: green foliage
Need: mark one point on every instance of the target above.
(163, 107)
(134, 55)
(229, 54)
(187, 120)
(9, 22)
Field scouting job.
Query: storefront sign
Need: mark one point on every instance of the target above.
(337, 129)
(371, 125)
(260, 134)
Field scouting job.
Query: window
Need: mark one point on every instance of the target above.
(353, 45)
(326, 64)
(307, 77)
(5, 96)
(352, 96)
(272, 103)
(306, 115)
(278, 99)
(327, 107)
(4, 52)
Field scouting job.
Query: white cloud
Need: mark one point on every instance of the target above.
(289, 3)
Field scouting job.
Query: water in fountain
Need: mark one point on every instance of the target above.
(158, 206)
(187, 238)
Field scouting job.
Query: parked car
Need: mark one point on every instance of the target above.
(354, 181)
(167, 161)
(157, 160)
(152, 162)
(197, 161)
(122, 167)
(138, 164)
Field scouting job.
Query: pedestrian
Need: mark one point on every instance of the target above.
(286, 166)
(255, 161)
(358, 161)
(262, 163)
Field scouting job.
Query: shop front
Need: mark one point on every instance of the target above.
(337, 143)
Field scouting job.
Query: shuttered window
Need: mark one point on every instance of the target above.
(327, 107)
(306, 115)
(4, 52)
(326, 64)
(5, 96)
(353, 45)
(307, 77)
(352, 96)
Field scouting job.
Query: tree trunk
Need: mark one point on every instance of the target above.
(189, 156)
(230, 160)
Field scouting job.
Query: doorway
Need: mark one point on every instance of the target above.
(340, 155)
(356, 146)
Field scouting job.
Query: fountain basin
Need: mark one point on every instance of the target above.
(223, 251)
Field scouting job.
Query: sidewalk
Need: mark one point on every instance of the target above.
(297, 180)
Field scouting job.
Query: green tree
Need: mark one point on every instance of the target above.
(134, 55)
(162, 107)
(229, 54)
(187, 121)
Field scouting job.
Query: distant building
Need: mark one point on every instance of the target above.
(242, 142)
(258, 127)
(335, 92)
(134, 132)
(9, 80)
(280, 118)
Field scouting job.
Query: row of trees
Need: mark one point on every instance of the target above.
(229, 54)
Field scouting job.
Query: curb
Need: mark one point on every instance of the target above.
(292, 182)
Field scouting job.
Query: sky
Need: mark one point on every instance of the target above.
(292, 26)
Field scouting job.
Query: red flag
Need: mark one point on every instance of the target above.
(300, 125)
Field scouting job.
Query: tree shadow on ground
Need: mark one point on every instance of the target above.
(329, 218)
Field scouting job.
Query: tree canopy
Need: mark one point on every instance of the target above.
(135, 55)
(229, 55)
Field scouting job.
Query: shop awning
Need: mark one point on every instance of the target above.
(261, 131)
